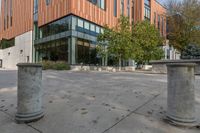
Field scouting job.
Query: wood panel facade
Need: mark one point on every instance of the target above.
(82, 8)
(21, 13)
(158, 9)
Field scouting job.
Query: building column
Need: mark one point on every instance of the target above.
(33, 53)
(72, 50)
(36, 56)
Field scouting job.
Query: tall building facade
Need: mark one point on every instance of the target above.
(65, 30)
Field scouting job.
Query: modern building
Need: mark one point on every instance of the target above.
(65, 30)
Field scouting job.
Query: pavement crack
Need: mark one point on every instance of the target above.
(34, 128)
(132, 112)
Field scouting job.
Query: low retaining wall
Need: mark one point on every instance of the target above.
(101, 68)
(147, 67)
(161, 67)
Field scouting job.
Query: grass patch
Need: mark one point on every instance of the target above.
(58, 65)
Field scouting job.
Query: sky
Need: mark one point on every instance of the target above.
(164, 1)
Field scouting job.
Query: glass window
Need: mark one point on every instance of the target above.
(0, 6)
(79, 42)
(147, 9)
(128, 8)
(102, 4)
(147, 2)
(74, 22)
(83, 51)
(162, 30)
(80, 23)
(97, 29)
(5, 14)
(92, 27)
(133, 12)
(56, 27)
(11, 13)
(115, 8)
(7, 43)
(158, 21)
(93, 1)
(86, 44)
(66, 24)
(55, 51)
(122, 7)
(62, 26)
(99, 3)
(102, 30)
(35, 6)
(154, 17)
(87, 25)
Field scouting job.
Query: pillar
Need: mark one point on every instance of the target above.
(29, 93)
(181, 98)
(72, 50)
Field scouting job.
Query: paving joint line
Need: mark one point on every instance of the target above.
(11, 117)
(140, 114)
(34, 128)
(132, 112)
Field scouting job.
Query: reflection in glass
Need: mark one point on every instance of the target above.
(53, 51)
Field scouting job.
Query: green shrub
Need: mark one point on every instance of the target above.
(59, 65)
(47, 65)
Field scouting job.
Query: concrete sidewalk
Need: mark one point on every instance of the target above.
(94, 102)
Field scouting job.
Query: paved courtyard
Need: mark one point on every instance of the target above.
(94, 102)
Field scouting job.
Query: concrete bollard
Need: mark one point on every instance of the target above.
(29, 103)
(181, 98)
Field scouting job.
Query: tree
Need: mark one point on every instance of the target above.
(141, 43)
(147, 42)
(191, 52)
(183, 23)
(117, 40)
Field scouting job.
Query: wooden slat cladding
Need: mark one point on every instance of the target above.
(55, 10)
(159, 10)
(60, 8)
(22, 12)
(155, 8)
(138, 10)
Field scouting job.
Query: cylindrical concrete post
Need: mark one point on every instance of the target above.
(29, 103)
(181, 98)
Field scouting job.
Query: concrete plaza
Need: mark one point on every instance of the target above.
(94, 102)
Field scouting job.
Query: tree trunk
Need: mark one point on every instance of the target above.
(106, 59)
(103, 61)
(120, 63)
